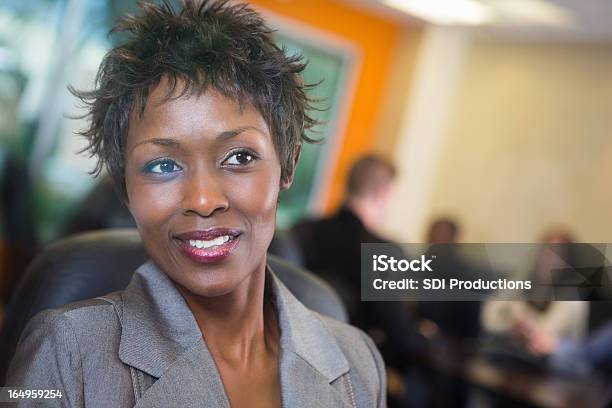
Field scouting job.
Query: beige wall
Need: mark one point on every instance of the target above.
(527, 144)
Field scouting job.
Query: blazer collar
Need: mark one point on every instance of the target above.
(158, 328)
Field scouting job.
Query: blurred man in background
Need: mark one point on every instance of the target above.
(331, 247)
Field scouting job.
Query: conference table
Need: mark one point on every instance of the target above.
(519, 383)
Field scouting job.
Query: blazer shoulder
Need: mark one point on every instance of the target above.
(62, 346)
(83, 320)
(81, 313)
(367, 368)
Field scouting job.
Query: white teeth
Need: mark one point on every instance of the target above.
(197, 243)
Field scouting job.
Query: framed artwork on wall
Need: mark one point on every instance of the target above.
(332, 64)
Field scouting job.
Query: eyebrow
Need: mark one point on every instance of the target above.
(228, 134)
(170, 142)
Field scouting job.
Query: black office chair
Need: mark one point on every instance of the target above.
(92, 264)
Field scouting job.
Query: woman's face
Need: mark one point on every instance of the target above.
(203, 178)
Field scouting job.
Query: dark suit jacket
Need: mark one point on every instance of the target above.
(331, 248)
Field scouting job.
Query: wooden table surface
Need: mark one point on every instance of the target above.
(523, 384)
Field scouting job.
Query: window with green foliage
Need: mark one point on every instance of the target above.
(327, 68)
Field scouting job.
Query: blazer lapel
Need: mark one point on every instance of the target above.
(161, 338)
(311, 361)
(303, 386)
(157, 325)
(192, 381)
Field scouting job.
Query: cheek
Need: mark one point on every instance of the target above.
(256, 197)
(151, 204)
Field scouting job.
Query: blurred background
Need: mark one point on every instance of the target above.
(496, 115)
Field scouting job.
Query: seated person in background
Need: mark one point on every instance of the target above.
(199, 117)
(583, 356)
(540, 324)
(450, 322)
(461, 319)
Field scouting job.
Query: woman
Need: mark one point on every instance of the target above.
(541, 324)
(199, 119)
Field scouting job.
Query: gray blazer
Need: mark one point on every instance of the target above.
(142, 347)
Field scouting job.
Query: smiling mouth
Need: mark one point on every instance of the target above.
(212, 245)
(200, 244)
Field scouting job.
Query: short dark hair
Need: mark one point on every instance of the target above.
(443, 230)
(368, 174)
(207, 43)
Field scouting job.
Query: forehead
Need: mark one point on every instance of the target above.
(208, 112)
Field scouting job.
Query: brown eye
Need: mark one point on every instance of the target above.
(240, 158)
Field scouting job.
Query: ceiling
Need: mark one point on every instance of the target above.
(587, 20)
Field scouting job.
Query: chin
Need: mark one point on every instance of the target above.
(212, 280)
(212, 286)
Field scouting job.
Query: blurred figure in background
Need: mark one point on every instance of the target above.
(16, 221)
(459, 320)
(450, 324)
(540, 325)
(331, 248)
(443, 231)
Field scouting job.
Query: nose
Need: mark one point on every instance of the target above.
(203, 195)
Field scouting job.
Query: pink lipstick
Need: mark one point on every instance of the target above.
(210, 245)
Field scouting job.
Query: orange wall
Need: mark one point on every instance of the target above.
(377, 39)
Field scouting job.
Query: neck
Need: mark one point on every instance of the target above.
(238, 325)
(361, 207)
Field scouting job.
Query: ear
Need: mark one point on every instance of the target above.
(288, 181)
